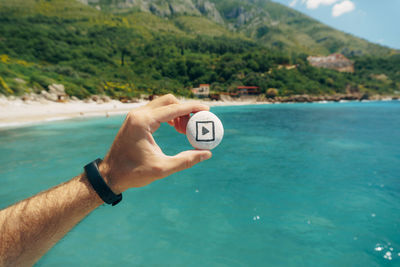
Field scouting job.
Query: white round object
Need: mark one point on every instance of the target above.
(204, 130)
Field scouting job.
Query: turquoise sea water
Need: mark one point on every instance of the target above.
(290, 185)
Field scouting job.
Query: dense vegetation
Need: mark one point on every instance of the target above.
(270, 23)
(125, 55)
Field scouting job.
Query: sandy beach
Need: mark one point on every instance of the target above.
(15, 113)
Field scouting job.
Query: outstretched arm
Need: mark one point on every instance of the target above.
(31, 227)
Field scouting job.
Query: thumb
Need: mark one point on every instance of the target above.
(188, 159)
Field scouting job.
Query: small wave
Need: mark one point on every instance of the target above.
(29, 123)
(15, 124)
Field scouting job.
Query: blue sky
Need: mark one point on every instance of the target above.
(374, 20)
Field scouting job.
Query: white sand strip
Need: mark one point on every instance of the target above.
(18, 113)
(15, 113)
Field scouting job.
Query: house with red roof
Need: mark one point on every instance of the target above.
(203, 91)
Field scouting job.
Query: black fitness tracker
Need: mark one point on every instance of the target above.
(98, 184)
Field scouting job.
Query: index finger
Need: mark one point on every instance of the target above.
(170, 112)
(163, 101)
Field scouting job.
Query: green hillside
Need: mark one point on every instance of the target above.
(124, 51)
(278, 26)
(270, 23)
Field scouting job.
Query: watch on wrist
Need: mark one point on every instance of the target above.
(99, 185)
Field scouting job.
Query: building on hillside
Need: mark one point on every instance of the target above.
(335, 61)
(203, 91)
(244, 91)
(248, 90)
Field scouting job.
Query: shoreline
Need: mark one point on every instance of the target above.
(18, 113)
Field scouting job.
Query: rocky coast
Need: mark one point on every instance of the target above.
(54, 104)
(329, 98)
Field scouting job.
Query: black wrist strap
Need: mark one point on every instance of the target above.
(98, 184)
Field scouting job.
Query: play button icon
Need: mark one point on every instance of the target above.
(204, 130)
(207, 133)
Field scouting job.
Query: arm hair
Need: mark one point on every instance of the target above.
(28, 229)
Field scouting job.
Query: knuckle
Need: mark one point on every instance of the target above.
(188, 163)
(135, 118)
(131, 115)
(132, 119)
(171, 98)
(158, 168)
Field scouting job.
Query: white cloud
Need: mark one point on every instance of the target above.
(293, 3)
(314, 4)
(343, 7)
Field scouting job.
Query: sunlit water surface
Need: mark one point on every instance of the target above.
(290, 185)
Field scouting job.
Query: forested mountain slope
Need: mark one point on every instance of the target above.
(122, 49)
(270, 23)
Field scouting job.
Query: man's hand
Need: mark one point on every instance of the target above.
(135, 159)
(31, 227)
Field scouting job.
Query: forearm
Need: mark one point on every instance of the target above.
(28, 229)
(31, 227)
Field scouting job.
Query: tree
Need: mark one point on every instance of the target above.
(272, 92)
